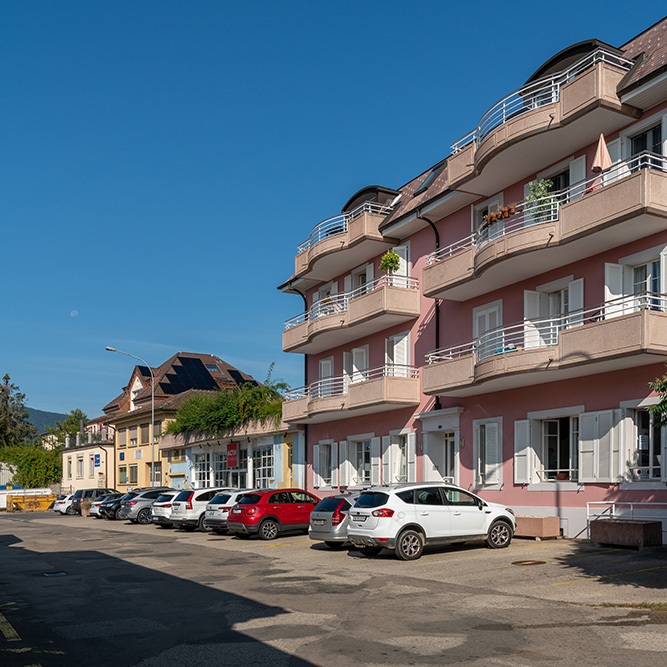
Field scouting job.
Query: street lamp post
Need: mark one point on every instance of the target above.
(150, 370)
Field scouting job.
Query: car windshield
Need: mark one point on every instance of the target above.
(250, 499)
(164, 498)
(220, 499)
(328, 505)
(78, 494)
(128, 496)
(372, 499)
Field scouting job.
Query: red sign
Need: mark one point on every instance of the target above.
(232, 455)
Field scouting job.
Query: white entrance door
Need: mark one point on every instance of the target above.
(489, 340)
(398, 354)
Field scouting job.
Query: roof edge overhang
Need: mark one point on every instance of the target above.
(370, 189)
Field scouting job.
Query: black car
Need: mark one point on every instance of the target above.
(109, 509)
(82, 495)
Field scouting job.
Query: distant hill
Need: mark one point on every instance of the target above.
(42, 419)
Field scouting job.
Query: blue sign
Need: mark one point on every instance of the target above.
(122, 456)
(97, 460)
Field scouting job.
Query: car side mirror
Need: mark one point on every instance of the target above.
(481, 505)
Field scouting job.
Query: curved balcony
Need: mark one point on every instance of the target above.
(626, 203)
(342, 242)
(389, 387)
(527, 126)
(341, 318)
(618, 334)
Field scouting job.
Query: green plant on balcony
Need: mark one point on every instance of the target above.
(539, 203)
(390, 262)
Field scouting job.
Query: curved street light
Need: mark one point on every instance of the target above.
(150, 370)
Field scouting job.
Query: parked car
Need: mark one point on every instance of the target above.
(161, 509)
(188, 509)
(138, 508)
(95, 506)
(88, 494)
(269, 512)
(330, 518)
(109, 509)
(64, 504)
(218, 508)
(405, 517)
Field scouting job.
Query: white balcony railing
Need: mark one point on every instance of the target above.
(338, 224)
(544, 332)
(339, 303)
(537, 94)
(337, 386)
(547, 209)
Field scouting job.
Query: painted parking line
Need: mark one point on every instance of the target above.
(608, 576)
(287, 544)
(8, 631)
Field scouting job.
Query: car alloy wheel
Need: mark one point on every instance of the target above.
(203, 528)
(144, 516)
(410, 545)
(70, 510)
(500, 535)
(116, 514)
(268, 529)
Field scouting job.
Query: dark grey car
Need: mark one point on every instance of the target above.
(138, 509)
(329, 519)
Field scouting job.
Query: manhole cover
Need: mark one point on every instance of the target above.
(53, 574)
(529, 562)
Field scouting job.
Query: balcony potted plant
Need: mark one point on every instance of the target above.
(512, 208)
(538, 202)
(390, 262)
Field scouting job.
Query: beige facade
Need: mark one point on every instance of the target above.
(88, 465)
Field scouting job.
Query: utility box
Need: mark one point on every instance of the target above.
(626, 532)
(540, 527)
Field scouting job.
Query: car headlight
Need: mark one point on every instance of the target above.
(510, 510)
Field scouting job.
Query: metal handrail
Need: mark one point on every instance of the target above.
(339, 303)
(338, 224)
(547, 209)
(542, 472)
(337, 386)
(544, 332)
(537, 94)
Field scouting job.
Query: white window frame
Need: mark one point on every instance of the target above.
(493, 203)
(440, 421)
(398, 370)
(479, 482)
(625, 136)
(351, 451)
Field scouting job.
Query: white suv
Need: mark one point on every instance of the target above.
(405, 517)
(188, 508)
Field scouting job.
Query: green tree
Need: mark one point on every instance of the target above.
(15, 426)
(659, 386)
(70, 426)
(35, 466)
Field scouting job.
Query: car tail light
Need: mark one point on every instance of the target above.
(251, 510)
(132, 502)
(337, 517)
(167, 505)
(383, 513)
(189, 503)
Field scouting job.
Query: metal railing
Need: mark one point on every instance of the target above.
(547, 209)
(558, 474)
(537, 94)
(337, 386)
(544, 332)
(627, 510)
(338, 224)
(339, 303)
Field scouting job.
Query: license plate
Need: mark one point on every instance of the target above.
(359, 517)
(318, 522)
(236, 511)
(210, 512)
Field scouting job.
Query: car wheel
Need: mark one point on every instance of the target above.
(500, 535)
(409, 545)
(144, 516)
(116, 514)
(370, 551)
(268, 529)
(334, 545)
(70, 510)
(201, 527)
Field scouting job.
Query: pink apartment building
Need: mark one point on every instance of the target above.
(512, 350)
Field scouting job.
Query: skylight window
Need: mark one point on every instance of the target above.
(430, 178)
(212, 367)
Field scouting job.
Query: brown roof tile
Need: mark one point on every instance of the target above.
(653, 44)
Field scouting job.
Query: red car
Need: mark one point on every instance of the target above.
(271, 511)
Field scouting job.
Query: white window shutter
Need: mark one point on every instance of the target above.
(402, 252)
(334, 464)
(576, 296)
(359, 363)
(605, 443)
(369, 273)
(522, 451)
(588, 445)
(376, 455)
(412, 457)
(663, 271)
(317, 479)
(334, 287)
(493, 454)
(343, 465)
(577, 175)
(347, 369)
(531, 312)
(387, 477)
(347, 288)
(617, 446)
(613, 289)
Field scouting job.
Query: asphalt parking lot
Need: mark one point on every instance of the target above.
(80, 591)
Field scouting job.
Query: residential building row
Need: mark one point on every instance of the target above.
(511, 350)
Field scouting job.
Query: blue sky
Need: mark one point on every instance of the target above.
(162, 159)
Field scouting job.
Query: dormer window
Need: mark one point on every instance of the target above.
(136, 389)
(430, 178)
(212, 367)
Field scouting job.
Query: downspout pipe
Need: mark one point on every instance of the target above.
(437, 405)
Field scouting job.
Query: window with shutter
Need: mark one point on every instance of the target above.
(522, 452)
(376, 454)
(411, 451)
(343, 464)
(317, 480)
(488, 451)
(486, 322)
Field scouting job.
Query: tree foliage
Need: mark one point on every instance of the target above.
(70, 426)
(35, 466)
(659, 386)
(224, 411)
(15, 426)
